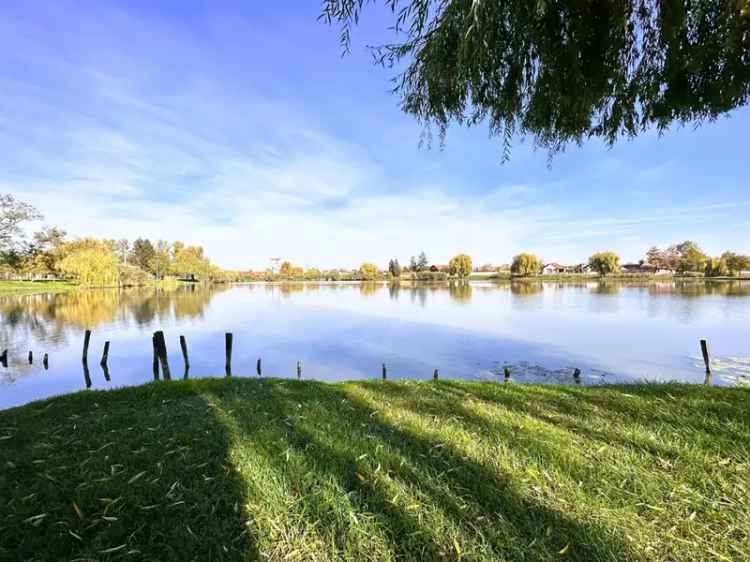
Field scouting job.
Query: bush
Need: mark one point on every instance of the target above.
(430, 276)
(132, 276)
(525, 265)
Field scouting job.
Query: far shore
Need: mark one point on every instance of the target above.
(32, 287)
(29, 287)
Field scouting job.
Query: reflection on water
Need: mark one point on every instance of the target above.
(460, 292)
(542, 331)
(525, 288)
(49, 316)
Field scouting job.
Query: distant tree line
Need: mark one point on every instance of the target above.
(685, 258)
(89, 261)
(688, 257)
(419, 269)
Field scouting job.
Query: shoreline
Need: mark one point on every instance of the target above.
(54, 287)
(40, 287)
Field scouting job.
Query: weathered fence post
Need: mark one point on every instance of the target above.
(183, 346)
(45, 361)
(385, 372)
(85, 358)
(706, 360)
(103, 362)
(86, 374)
(435, 375)
(577, 375)
(258, 367)
(506, 373)
(161, 348)
(155, 357)
(228, 346)
(31, 357)
(299, 369)
(86, 341)
(105, 354)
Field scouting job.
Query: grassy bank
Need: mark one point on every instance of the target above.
(286, 470)
(37, 287)
(31, 287)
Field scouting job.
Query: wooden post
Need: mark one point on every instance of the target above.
(258, 367)
(31, 357)
(156, 358)
(435, 375)
(228, 346)
(161, 348)
(86, 374)
(706, 360)
(299, 369)
(105, 354)
(506, 372)
(183, 346)
(103, 362)
(85, 358)
(4, 358)
(86, 341)
(45, 361)
(385, 372)
(577, 375)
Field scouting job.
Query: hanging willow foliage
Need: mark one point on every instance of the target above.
(563, 71)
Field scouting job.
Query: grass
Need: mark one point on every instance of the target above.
(31, 287)
(241, 469)
(38, 287)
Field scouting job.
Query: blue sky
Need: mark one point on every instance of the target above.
(238, 126)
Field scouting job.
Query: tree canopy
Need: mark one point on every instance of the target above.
(13, 213)
(90, 262)
(142, 254)
(735, 262)
(394, 268)
(562, 71)
(460, 266)
(525, 265)
(684, 257)
(605, 262)
(369, 271)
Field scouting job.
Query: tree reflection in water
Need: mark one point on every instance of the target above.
(50, 317)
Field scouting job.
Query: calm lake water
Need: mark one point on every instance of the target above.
(613, 332)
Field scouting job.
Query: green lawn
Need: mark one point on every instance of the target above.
(34, 287)
(30, 287)
(243, 469)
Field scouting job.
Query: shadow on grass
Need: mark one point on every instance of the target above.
(417, 499)
(273, 469)
(136, 474)
(678, 407)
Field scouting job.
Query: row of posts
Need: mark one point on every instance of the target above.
(160, 362)
(4, 359)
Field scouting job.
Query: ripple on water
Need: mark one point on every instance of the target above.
(730, 370)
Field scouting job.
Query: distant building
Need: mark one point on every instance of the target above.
(486, 268)
(553, 269)
(645, 269)
(559, 269)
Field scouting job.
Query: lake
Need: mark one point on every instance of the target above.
(612, 332)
